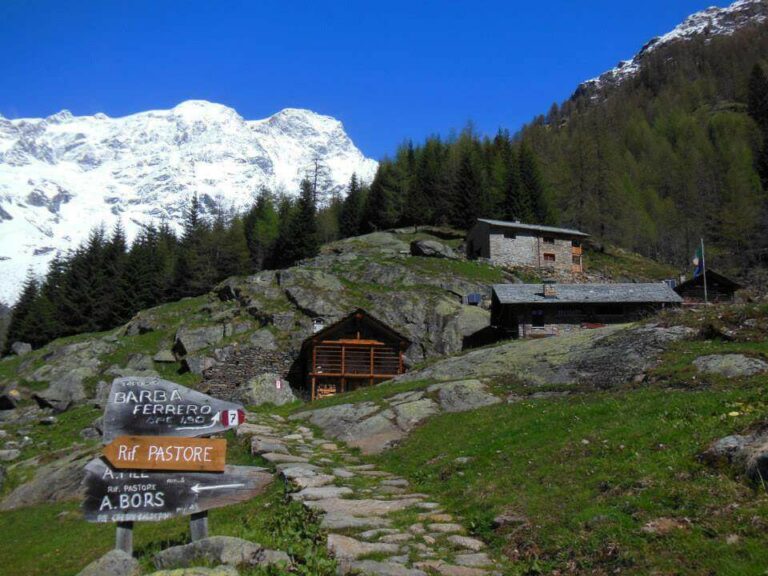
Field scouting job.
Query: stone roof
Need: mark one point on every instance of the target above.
(657, 292)
(534, 227)
(713, 278)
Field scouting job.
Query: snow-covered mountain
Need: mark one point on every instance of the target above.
(60, 176)
(711, 22)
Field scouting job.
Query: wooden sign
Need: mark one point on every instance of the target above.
(112, 495)
(150, 406)
(166, 453)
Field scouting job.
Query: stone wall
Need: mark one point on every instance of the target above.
(563, 251)
(226, 379)
(518, 251)
(527, 249)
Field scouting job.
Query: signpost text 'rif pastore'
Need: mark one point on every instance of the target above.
(156, 467)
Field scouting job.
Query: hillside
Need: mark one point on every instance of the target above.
(246, 327)
(567, 461)
(670, 146)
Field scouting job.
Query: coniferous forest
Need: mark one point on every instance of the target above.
(675, 154)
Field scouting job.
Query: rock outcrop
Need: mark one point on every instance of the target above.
(730, 365)
(582, 358)
(745, 454)
(375, 427)
(113, 563)
(219, 550)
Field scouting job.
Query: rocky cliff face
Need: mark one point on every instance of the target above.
(62, 175)
(256, 325)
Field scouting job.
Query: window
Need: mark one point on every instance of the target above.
(548, 240)
(537, 318)
(577, 260)
(576, 243)
(548, 257)
(510, 235)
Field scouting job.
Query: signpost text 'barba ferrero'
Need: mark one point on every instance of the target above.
(155, 407)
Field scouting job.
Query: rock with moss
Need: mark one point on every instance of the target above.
(56, 481)
(189, 340)
(21, 348)
(463, 395)
(113, 563)
(198, 571)
(268, 388)
(218, 550)
(431, 249)
(730, 365)
(65, 391)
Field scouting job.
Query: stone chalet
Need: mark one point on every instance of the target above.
(517, 244)
(549, 309)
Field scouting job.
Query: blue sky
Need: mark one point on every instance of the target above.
(388, 70)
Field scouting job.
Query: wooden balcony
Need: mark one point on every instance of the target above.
(344, 365)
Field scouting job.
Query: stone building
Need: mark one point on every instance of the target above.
(549, 309)
(518, 244)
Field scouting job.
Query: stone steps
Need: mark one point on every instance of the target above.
(361, 508)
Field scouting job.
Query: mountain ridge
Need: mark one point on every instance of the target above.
(710, 22)
(62, 175)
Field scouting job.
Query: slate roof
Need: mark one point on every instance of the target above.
(534, 227)
(365, 317)
(712, 278)
(657, 292)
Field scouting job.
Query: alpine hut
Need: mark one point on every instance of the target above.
(356, 351)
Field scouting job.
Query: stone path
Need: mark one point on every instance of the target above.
(376, 525)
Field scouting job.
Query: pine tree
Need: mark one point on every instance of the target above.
(757, 107)
(351, 213)
(21, 311)
(261, 227)
(304, 241)
(82, 303)
(195, 272)
(117, 297)
(469, 203)
(533, 204)
(381, 209)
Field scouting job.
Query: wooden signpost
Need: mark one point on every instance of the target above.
(141, 496)
(156, 467)
(166, 453)
(155, 407)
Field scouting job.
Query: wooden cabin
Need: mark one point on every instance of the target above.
(357, 351)
(719, 289)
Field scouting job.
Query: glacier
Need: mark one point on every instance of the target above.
(63, 175)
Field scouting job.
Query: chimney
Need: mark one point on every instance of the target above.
(550, 290)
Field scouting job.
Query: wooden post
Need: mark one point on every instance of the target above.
(314, 369)
(198, 526)
(704, 272)
(124, 537)
(370, 380)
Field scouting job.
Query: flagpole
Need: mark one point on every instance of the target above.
(704, 271)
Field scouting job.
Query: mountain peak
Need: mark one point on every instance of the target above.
(193, 110)
(62, 175)
(710, 22)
